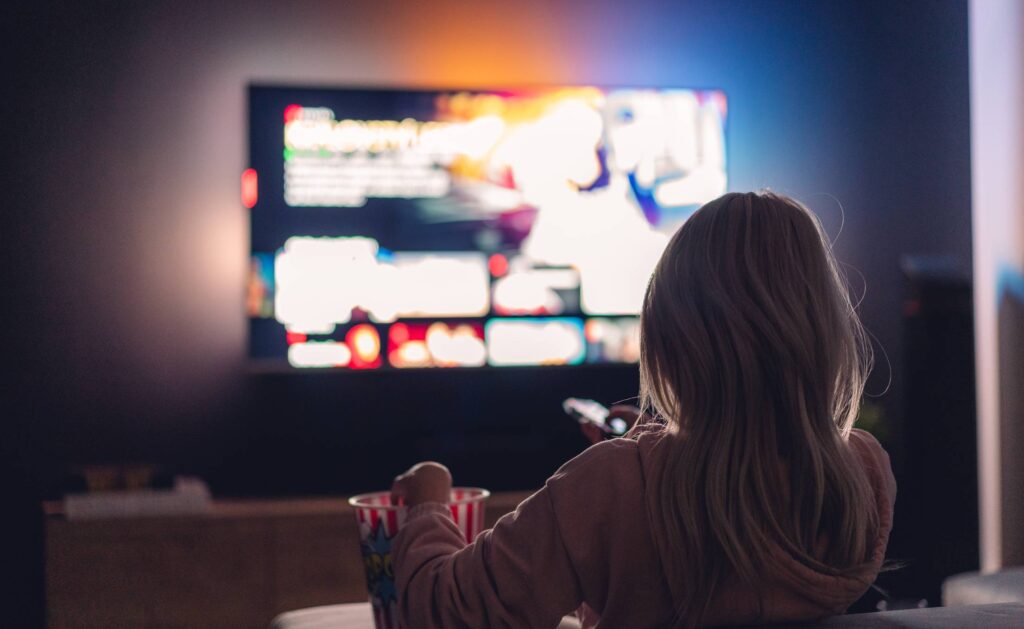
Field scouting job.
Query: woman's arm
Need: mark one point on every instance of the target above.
(517, 574)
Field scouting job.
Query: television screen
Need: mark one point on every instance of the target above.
(396, 229)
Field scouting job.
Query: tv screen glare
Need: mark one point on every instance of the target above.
(397, 229)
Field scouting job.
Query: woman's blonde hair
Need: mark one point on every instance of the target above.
(752, 352)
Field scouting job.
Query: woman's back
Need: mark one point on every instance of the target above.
(755, 501)
(588, 538)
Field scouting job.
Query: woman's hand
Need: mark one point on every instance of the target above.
(424, 482)
(629, 414)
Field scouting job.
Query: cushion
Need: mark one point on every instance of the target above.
(972, 588)
(995, 616)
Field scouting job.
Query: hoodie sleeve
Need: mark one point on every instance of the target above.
(517, 574)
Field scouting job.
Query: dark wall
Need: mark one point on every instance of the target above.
(125, 244)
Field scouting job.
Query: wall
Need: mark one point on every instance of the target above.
(126, 245)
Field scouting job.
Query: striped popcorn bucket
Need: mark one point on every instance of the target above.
(379, 521)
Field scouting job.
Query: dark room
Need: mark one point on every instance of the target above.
(377, 314)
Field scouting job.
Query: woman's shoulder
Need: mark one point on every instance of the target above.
(621, 454)
(866, 438)
(600, 479)
(614, 454)
(876, 464)
(871, 453)
(606, 481)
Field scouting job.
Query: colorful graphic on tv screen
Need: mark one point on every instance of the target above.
(415, 229)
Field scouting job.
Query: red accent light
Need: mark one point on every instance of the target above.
(295, 337)
(250, 188)
(291, 112)
(498, 264)
(399, 333)
(364, 341)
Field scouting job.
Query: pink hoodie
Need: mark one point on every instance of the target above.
(587, 538)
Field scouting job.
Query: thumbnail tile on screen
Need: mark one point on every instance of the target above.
(401, 228)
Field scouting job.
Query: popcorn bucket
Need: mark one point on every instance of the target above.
(379, 521)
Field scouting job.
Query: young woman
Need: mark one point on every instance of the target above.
(752, 500)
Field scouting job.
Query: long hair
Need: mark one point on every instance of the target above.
(753, 354)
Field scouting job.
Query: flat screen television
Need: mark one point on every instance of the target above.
(410, 229)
